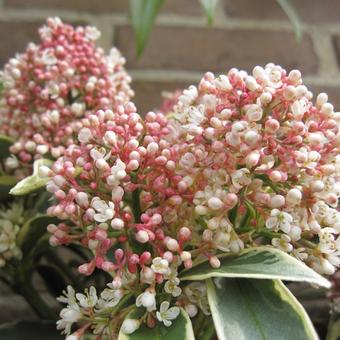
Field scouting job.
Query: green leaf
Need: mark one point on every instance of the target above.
(333, 332)
(34, 182)
(258, 263)
(5, 143)
(53, 278)
(32, 231)
(209, 7)
(181, 329)
(257, 310)
(6, 183)
(33, 330)
(292, 15)
(143, 15)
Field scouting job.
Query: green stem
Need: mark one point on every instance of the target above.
(136, 209)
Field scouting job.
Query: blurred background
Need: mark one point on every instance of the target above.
(182, 46)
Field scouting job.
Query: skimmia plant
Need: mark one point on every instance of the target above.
(188, 219)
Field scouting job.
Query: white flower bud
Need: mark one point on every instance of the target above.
(266, 98)
(11, 163)
(84, 135)
(252, 159)
(82, 199)
(214, 203)
(185, 256)
(294, 196)
(321, 99)
(147, 275)
(130, 325)
(316, 186)
(117, 224)
(277, 201)
(191, 310)
(30, 146)
(254, 112)
(142, 236)
(42, 149)
(215, 262)
(172, 245)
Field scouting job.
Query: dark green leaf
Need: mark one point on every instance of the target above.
(209, 7)
(292, 15)
(6, 184)
(258, 263)
(143, 15)
(333, 328)
(32, 231)
(53, 277)
(32, 330)
(5, 143)
(181, 329)
(257, 310)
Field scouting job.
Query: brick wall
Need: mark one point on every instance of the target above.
(182, 47)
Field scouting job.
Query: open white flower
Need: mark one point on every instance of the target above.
(117, 173)
(160, 266)
(171, 287)
(105, 211)
(283, 243)
(89, 299)
(166, 314)
(279, 220)
(109, 298)
(69, 316)
(147, 300)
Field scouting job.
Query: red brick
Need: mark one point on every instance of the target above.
(206, 49)
(315, 11)
(15, 36)
(187, 7)
(148, 95)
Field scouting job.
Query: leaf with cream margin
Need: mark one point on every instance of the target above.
(181, 329)
(263, 262)
(258, 310)
(34, 182)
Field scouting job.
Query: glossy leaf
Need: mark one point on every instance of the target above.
(181, 329)
(258, 310)
(209, 7)
(6, 184)
(32, 231)
(257, 263)
(5, 143)
(143, 15)
(292, 15)
(34, 182)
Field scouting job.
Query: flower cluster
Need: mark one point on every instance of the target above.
(260, 162)
(48, 88)
(10, 221)
(242, 160)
